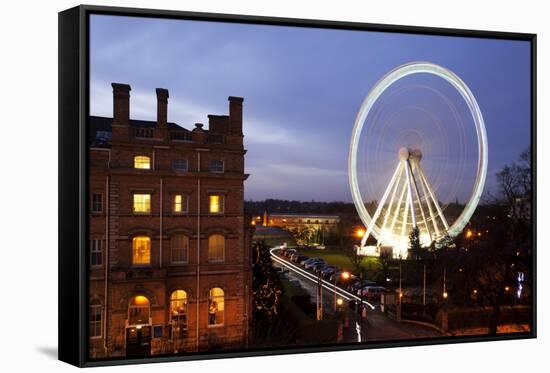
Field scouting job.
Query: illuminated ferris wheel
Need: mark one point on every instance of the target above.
(409, 196)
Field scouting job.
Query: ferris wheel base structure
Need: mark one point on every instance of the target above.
(412, 203)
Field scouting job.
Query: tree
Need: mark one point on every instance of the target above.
(302, 235)
(491, 266)
(265, 282)
(415, 248)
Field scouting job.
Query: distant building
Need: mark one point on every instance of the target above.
(169, 259)
(325, 223)
(273, 236)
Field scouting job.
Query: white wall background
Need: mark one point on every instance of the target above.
(28, 190)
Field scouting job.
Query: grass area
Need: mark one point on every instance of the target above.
(340, 259)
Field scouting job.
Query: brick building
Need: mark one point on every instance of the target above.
(169, 253)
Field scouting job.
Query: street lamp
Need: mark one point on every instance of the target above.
(345, 276)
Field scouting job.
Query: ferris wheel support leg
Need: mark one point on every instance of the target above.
(390, 206)
(379, 207)
(415, 186)
(409, 193)
(405, 214)
(430, 192)
(398, 207)
(434, 222)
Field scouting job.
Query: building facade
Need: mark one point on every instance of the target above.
(313, 221)
(170, 266)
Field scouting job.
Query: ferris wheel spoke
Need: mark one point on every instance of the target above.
(420, 203)
(434, 221)
(436, 203)
(388, 210)
(379, 207)
(409, 192)
(398, 207)
(405, 213)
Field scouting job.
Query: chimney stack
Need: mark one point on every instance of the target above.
(162, 107)
(121, 104)
(235, 115)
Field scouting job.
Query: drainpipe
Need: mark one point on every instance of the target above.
(105, 298)
(160, 228)
(198, 244)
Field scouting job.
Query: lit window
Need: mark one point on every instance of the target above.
(142, 162)
(216, 204)
(216, 248)
(178, 314)
(215, 306)
(96, 311)
(142, 203)
(216, 166)
(141, 250)
(139, 310)
(97, 203)
(180, 203)
(96, 258)
(179, 164)
(179, 245)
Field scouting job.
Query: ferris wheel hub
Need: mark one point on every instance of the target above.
(409, 154)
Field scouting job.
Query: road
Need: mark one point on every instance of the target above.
(376, 326)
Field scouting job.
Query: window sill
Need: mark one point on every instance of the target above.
(216, 326)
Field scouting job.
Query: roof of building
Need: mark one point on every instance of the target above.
(100, 129)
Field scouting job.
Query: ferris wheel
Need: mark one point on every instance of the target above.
(410, 198)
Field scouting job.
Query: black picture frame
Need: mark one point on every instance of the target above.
(73, 166)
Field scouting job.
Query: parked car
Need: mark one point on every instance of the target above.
(289, 252)
(361, 284)
(317, 268)
(372, 292)
(298, 258)
(309, 260)
(328, 271)
(316, 261)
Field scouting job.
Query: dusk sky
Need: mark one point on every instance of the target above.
(302, 89)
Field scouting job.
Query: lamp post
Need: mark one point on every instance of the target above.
(345, 276)
(445, 295)
(319, 297)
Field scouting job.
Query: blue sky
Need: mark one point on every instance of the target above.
(303, 88)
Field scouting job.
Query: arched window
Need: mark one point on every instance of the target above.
(142, 162)
(141, 250)
(179, 245)
(96, 316)
(216, 306)
(216, 248)
(178, 313)
(139, 310)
